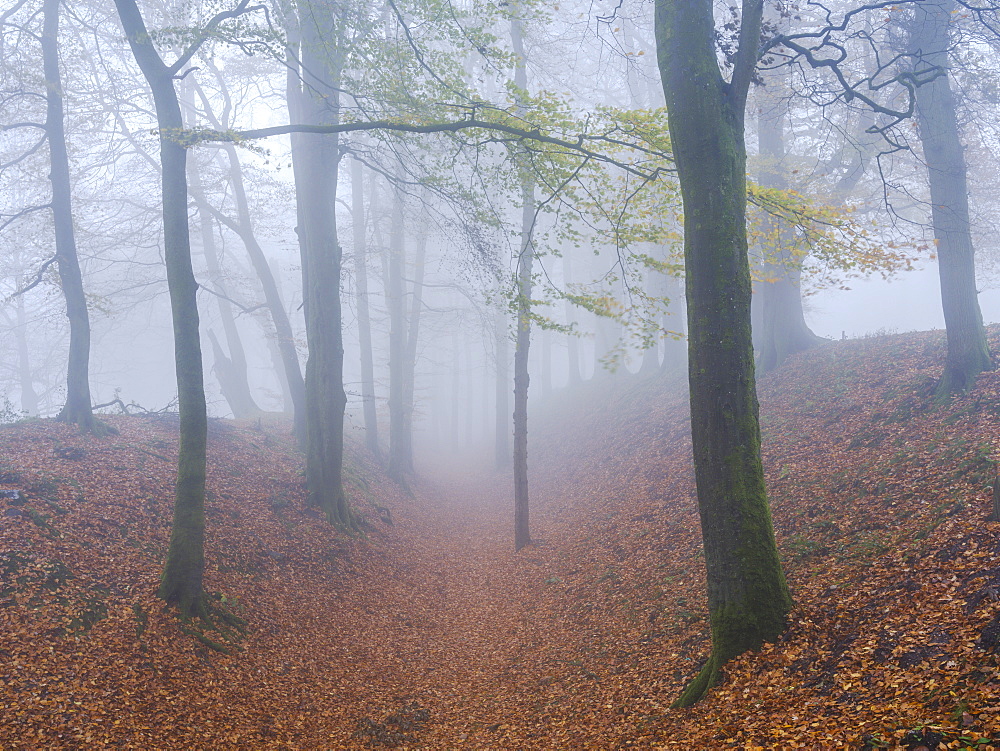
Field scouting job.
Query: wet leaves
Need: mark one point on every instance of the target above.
(430, 632)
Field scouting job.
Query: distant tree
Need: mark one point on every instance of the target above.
(937, 121)
(783, 330)
(923, 88)
(243, 225)
(404, 330)
(231, 370)
(748, 598)
(362, 303)
(78, 406)
(522, 341)
(501, 338)
(314, 99)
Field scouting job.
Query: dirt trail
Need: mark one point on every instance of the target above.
(447, 617)
(465, 595)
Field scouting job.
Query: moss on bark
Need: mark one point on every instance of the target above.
(747, 594)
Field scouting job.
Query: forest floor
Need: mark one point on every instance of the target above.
(429, 632)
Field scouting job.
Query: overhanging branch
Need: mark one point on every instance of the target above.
(529, 134)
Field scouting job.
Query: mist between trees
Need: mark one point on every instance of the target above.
(385, 220)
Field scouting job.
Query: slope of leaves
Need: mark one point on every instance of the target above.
(429, 632)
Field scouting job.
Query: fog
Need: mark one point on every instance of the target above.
(395, 275)
(606, 240)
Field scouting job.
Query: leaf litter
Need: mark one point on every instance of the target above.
(429, 632)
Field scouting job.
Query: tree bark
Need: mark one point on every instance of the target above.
(364, 315)
(748, 598)
(78, 409)
(317, 159)
(181, 581)
(937, 121)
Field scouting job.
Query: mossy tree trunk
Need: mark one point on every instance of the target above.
(968, 354)
(78, 407)
(748, 598)
(181, 581)
(317, 159)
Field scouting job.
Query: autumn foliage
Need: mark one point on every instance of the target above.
(426, 631)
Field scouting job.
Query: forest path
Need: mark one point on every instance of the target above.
(444, 616)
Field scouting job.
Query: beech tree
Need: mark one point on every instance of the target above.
(181, 583)
(783, 330)
(243, 225)
(78, 407)
(522, 341)
(364, 315)
(748, 598)
(919, 75)
(937, 121)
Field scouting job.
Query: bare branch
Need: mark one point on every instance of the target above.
(36, 281)
(11, 218)
(207, 30)
(243, 308)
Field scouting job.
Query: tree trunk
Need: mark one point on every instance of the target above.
(317, 161)
(784, 328)
(502, 339)
(29, 397)
(396, 302)
(968, 354)
(364, 316)
(522, 535)
(748, 598)
(231, 371)
(181, 581)
(575, 377)
(77, 409)
(412, 339)
(272, 295)
(525, 258)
